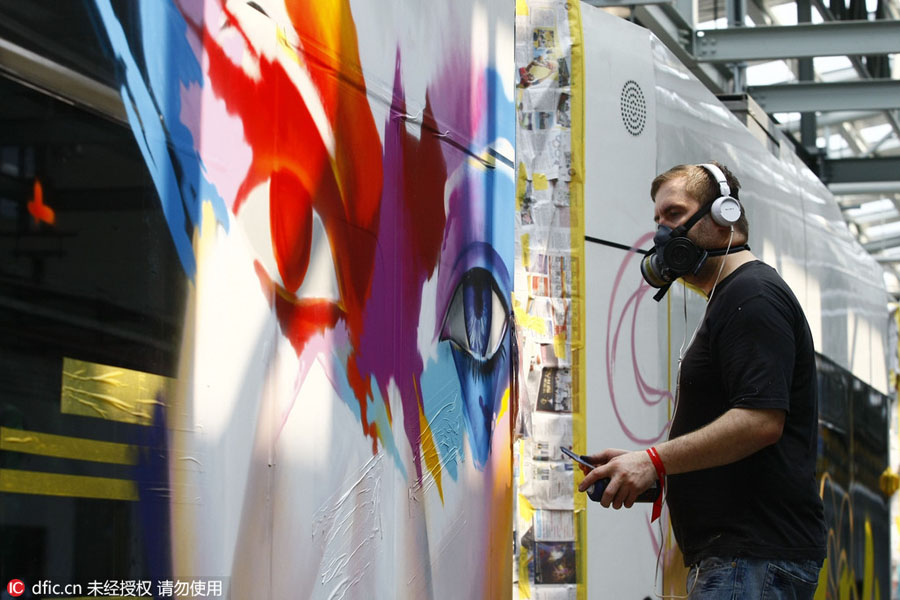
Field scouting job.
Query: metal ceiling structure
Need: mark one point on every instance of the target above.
(828, 76)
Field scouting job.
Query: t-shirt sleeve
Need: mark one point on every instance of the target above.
(755, 348)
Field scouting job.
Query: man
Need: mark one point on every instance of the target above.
(739, 465)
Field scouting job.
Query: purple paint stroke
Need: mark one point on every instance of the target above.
(643, 387)
(612, 348)
(388, 348)
(458, 98)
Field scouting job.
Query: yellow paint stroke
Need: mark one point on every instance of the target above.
(669, 354)
(540, 182)
(504, 404)
(95, 390)
(521, 184)
(286, 45)
(61, 446)
(822, 586)
(868, 563)
(837, 578)
(429, 450)
(521, 8)
(559, 344)
(529, 322)
(526, 250)
(484, 161)
(75, 486)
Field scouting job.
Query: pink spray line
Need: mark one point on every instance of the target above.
(643, 388)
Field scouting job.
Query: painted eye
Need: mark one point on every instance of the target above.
(477, 317)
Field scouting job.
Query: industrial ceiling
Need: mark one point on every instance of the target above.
(826, 74)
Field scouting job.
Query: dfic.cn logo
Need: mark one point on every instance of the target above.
(15, 587)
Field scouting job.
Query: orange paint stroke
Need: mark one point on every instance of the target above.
(36, 207)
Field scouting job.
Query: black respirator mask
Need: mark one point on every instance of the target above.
(674, 255)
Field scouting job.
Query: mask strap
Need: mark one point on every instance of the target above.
(684, 227)
(728, 250)
(662, 292)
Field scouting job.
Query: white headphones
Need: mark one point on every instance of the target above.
(726, 209)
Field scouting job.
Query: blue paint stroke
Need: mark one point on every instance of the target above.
(153, 106)
(441, 405)
(151, 473)
(376, 411)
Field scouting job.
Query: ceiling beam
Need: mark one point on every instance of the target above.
(669, 26)
(872, 94)
(846, 170)
(855, 188)
(881, 217)
(853, 138)
(857, 63)
(836, 118)
(773, 42)
(629, 3)
(881, 244)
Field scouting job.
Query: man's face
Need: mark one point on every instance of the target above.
(674, 206)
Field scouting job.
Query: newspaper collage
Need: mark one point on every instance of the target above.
(546, 303)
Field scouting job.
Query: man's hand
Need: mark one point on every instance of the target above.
(630, 474)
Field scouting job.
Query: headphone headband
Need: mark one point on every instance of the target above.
(719, 176)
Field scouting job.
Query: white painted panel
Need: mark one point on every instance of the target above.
(626, 331)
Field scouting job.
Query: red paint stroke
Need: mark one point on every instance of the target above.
(382, 209)
(291, 226)
(343, 188)
(644, 389)
(36, 207)
(330, 50)
(300, 318)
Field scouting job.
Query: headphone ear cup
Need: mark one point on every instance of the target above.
(725, 211)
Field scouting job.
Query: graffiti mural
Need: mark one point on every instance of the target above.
(337, 181)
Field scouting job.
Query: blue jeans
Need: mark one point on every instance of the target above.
(752, 578)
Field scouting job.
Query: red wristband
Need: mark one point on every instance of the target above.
(657, 463)
(661, 474)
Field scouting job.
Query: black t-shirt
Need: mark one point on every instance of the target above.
(754, 349)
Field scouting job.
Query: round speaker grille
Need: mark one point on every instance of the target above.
(634, 108)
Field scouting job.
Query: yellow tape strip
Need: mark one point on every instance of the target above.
(61, 446)
(113, 393)
(76, 486)
(577, 331)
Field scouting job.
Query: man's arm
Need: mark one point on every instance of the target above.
(737, 434)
